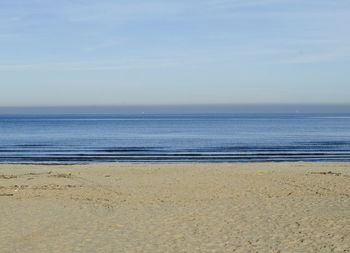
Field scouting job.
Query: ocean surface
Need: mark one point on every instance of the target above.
(69, 139)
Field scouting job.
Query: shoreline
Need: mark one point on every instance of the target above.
(178, 163)
(193, 207)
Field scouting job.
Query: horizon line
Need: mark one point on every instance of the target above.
(171, 104)
(180, 108)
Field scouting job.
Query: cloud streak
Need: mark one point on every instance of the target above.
(98, 66)
(127, 11)
(103, 45)
(340, 54)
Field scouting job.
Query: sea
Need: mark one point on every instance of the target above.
(174, 138)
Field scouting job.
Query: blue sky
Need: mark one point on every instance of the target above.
(84, 52)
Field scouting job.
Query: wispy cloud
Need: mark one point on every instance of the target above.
(102, 45)
(298, 10)
(339, 54)
(35, 12)
(18, 67)
(120, 11)
(94, 66)
(7, 36)
(245, 3)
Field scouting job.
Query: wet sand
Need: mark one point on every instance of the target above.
(262, 207)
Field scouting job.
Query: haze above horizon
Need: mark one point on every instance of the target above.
(182, 109)
(161, 52)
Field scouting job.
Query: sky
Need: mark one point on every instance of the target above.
(157, 52)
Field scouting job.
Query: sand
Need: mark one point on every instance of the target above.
(265, 207)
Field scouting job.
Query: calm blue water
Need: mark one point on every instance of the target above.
(174, 138)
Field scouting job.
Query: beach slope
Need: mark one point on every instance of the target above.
(261, 207)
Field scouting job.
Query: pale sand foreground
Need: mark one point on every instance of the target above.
(269, 207)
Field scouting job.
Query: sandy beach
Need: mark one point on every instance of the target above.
(262, 207)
